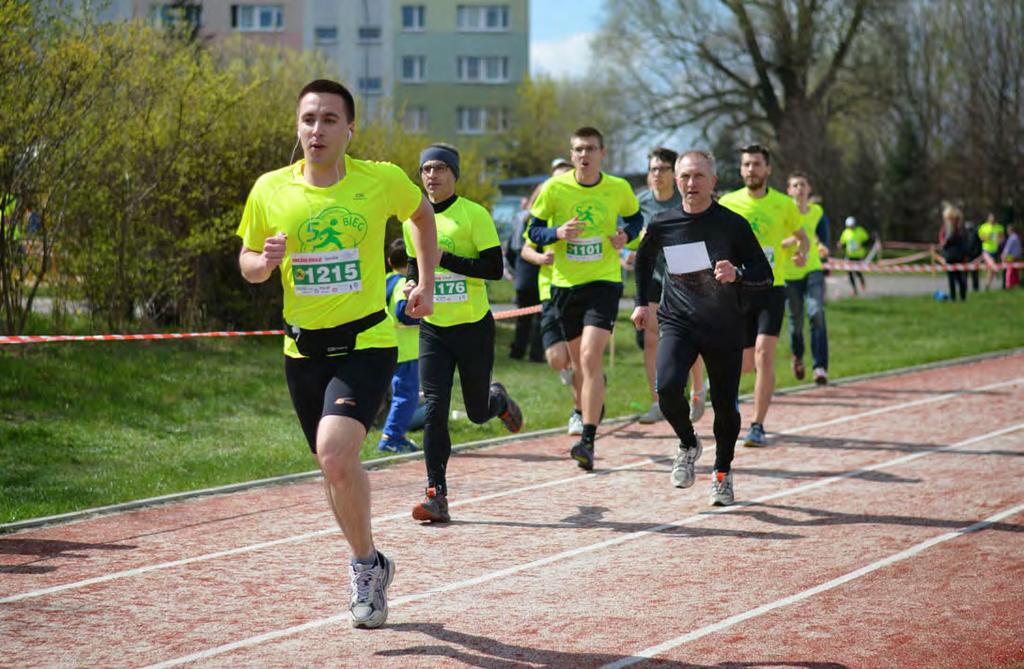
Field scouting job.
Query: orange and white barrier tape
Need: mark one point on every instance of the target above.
(854, 266)
(46, 339)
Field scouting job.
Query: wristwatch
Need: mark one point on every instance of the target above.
(739, 274)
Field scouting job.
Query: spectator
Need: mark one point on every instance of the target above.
(1012, 253)
(955, 247)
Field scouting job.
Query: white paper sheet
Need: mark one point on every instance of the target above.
(687, 258)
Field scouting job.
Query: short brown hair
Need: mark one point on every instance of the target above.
(757, 148)
(588, 131)
(334, 88)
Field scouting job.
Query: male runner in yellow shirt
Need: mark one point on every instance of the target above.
(460, 332)
(322, 222)
(576, 214)
(774, 218)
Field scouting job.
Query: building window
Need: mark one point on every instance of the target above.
(415, 119)
(488, 69)
(169, 15)
(369, 34)
(413, 17)
(482, 17)
(370, 84)
(414, 68)
(481, 120)
(325, 34)
(257, 18)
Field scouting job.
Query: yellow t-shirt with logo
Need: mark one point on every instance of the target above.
(989, 233)
(464, 229)
(772, 217)
(333, 269)
(809, 222)
(408, 336)
(855, 241)
(591, 256)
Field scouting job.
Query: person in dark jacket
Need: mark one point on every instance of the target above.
(955, 249)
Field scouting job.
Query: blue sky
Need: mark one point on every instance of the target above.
(560, 33)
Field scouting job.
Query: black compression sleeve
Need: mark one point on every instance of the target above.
(489, 265)
(646, 255)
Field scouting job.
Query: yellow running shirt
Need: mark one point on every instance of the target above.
(543, 271)
(809, 222)
(591, 256)
(463, 229)
(855, 241)
(772, 218)
(408, 336)
(333, 269)
(989, 233)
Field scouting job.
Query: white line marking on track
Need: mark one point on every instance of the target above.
(652, 651)
(484, 578)
(127, 573)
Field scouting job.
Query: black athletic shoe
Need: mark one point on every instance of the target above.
(433, 509)
(583, 453)
(512, 417)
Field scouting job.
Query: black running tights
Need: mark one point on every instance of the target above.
(676, 354)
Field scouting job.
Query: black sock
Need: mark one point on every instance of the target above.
(589, 433)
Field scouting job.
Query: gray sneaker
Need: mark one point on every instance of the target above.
(682, 466)
(369, 605)
(698, 401)
(576, 424)
(653, 415)
(721, 489)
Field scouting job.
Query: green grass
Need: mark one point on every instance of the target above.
(89, 424)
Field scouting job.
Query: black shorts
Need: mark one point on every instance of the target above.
(595, 303)
(550, 325)
(765, 310)
(351, 385)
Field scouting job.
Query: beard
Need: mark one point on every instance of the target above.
(754, 183)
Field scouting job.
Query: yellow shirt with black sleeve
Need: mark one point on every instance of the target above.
(591, 256)
(809, 223)
(333, 269)
(543, 272)
(464, 229)
(408, 336)
(772, 217)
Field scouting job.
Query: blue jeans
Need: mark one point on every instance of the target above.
(405, 394)
(809, 291)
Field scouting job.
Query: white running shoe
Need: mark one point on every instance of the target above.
(721, 489)
(653, 415)
(698, 401)
(682, 466)
(566, 376)
(576, 423)
(369, 605)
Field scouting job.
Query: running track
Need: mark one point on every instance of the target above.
(884, 527)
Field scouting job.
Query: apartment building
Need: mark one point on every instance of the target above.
(448, 68)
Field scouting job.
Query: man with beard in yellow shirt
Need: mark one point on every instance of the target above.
(775, 219)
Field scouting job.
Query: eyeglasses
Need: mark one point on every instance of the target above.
(440, 168)
(659, 169)
(580, 149)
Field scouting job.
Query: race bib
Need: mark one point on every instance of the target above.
(687, 258)
(769, 253)
(584, 249)
(450, 288)
(327, 273)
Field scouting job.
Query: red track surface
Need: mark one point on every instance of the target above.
(845, 549)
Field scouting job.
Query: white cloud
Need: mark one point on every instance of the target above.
(568, 57)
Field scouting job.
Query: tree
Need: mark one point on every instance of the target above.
(770, 68)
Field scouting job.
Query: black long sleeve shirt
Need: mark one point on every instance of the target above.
(697, 305)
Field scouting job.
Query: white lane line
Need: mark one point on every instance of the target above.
(136, 571)
(726, 623)
(571, 553)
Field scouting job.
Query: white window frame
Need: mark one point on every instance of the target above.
(415, 119)
(475, 69)
(490, 120)
(419, 18)
(476, 18)
(419, 69)
(249, 18)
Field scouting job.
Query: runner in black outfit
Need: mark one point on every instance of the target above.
(711, 254)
